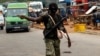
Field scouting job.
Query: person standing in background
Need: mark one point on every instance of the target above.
(33, 14)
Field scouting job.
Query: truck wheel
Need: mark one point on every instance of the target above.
(7, 30)
(1, 27)
(27, 29)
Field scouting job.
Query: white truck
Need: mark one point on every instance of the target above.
(1, 17)
(36, 5)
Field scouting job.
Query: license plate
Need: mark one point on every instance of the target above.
(16, 27)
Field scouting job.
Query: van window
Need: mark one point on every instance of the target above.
(15, 12)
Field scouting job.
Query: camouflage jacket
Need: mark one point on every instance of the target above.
(49, 25)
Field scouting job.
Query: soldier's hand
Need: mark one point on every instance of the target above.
(22, 16)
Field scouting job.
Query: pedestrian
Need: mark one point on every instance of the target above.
(52, 42)
(96, 18)
(33, 14)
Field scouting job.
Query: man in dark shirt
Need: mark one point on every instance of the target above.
(51, 40)
(96, 18)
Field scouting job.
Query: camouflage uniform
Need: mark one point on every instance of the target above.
(52, 47)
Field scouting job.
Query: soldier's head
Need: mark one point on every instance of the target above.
(53, 7)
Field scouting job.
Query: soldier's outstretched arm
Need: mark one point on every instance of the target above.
(30, 18)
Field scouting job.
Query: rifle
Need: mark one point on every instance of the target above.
(68, 38)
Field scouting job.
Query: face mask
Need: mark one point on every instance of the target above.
(53, 9)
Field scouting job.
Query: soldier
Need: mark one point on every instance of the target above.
(51, 40)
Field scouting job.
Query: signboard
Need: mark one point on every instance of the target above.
(61, 0)
(65, 1)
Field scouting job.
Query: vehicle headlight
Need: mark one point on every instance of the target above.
(25, 22)
(7, 22)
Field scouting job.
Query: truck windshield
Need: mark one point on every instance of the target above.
(36, 6)
(15, 12)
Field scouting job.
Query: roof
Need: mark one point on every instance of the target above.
(17, 5)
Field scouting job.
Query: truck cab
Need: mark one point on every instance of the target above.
(13, 22)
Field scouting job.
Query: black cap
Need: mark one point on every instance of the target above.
(53, 6)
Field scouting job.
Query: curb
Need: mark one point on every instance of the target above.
(92, 32)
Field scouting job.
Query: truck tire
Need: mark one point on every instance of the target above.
(27, 29)
(7, 30)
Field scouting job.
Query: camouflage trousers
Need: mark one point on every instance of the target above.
(52, 47)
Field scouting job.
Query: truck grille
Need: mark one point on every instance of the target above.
(16, 23)
(13, 23)
(20, 22)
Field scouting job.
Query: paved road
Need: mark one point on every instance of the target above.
(32, 44)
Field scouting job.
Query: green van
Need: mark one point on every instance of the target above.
(13, 22)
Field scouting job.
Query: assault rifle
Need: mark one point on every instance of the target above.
(54, 27)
